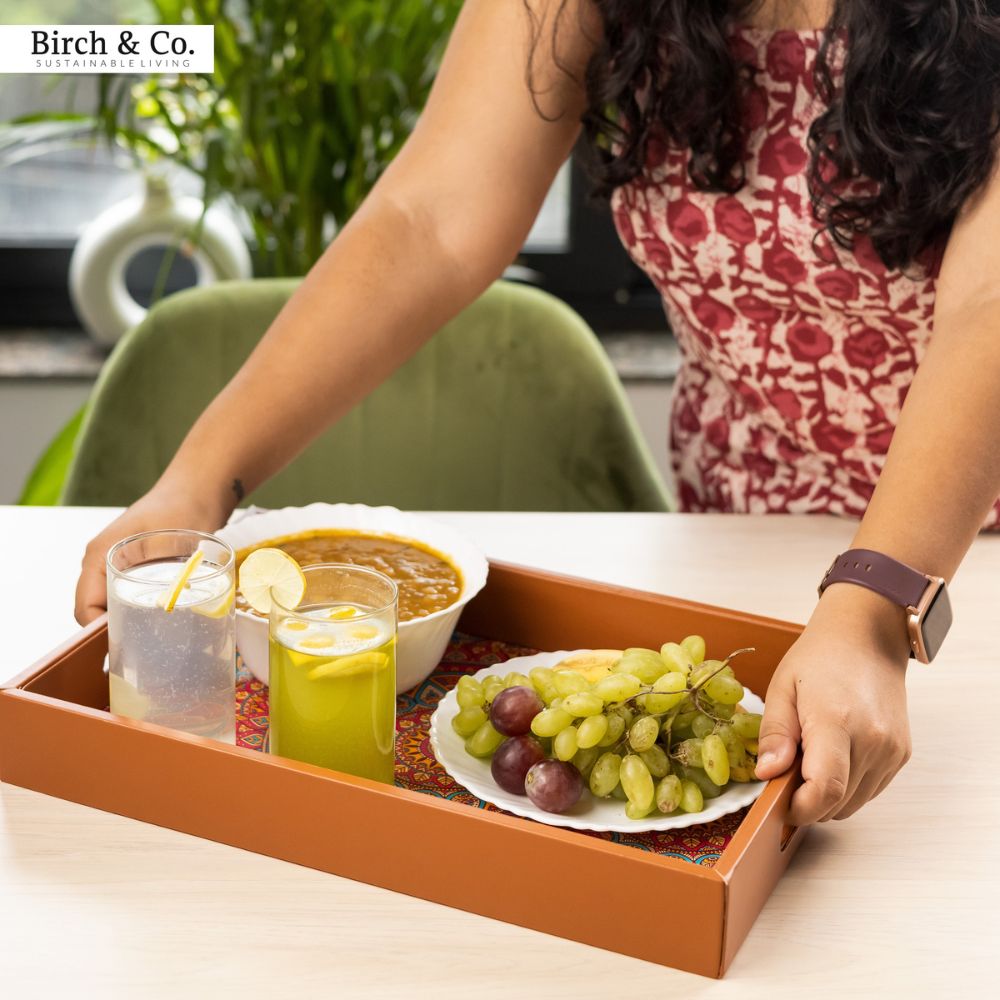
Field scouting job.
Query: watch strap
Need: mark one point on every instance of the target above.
(902, 584)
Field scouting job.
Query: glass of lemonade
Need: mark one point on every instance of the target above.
(173, 662)
(333, 672)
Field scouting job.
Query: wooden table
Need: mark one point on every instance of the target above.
(903, 900)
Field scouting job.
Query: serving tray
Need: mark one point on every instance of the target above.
(57, 737)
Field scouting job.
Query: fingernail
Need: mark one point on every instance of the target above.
(767, 759)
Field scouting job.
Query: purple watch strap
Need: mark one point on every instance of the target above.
(902, 584)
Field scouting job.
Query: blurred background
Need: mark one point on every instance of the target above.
(283, 141)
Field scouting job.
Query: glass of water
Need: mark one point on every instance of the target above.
(171, 624)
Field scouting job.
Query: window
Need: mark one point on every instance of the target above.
(49, 190)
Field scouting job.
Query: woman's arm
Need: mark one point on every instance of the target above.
(441, 224)
(840, 689)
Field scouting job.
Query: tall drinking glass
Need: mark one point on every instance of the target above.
(333, 672)
(171, 625)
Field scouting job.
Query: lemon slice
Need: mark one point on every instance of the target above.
(126, 699)
(220, 608)
(593, 664)
(182, 578)
(268, 571)
(339, 614)
(344, 666)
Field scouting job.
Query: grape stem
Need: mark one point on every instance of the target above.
(691, 692)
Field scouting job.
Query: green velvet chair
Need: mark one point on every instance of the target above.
(511, 406)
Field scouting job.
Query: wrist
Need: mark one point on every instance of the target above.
(867, 616)
(212, 501)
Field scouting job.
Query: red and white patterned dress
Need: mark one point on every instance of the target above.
(794, 366)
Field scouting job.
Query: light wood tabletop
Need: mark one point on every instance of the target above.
(902, 900)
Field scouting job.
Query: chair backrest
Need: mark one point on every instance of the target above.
(513, 405)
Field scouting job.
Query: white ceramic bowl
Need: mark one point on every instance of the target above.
(422, 641)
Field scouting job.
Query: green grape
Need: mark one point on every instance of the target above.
(569, 682)
(692, 800)
(517, 680)
(468, 720)
(637, 782)
(619, 793)
(715, 759)
(633, 811)
(484, 741)
(585, 760)
(724, 711)
(725, 690)
(675, 658)
(565, 743)
(742, 773)
(593, 730)
(706, 670)
(735, 750)
(656, 761)
(646, 664)
(686, 717)
(549, 695)
(492, 686)
(702, 726)
(543, 681)
(694, 646)
(643, 733)
(469, 692)
(709, 789)
(550, 721)
(689, 752)
(747, 725)
(604, 777)
(583, 704)
(669, 690)
(541, 677)
(668, 793)
(617, 687)
(616, 727)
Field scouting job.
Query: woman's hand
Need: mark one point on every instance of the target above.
(164, 506)
(840, 692)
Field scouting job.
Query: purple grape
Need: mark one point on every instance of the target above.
(513, 760)
(554, 785)
(513, 709)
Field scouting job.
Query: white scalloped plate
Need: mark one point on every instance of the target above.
(590, 813)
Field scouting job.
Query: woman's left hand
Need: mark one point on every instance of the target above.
(840, 692)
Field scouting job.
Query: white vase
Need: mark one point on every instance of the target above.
(156, 218)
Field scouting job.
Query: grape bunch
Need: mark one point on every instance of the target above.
(660, 731)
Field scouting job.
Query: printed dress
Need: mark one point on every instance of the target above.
(795, 362)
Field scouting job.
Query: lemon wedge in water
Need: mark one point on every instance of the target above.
(182, 578)
(268, 571)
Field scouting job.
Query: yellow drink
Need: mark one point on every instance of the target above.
(333, 689)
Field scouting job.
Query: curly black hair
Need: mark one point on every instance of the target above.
(915, 109)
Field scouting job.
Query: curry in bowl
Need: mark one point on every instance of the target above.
(426, 579)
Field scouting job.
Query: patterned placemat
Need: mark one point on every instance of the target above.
(417, 769)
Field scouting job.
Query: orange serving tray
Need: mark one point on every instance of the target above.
(56, 737)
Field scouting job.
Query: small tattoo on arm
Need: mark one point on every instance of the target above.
(238, 489)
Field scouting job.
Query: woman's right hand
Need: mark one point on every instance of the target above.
(162, 507)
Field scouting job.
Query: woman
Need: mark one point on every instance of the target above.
(811, 187)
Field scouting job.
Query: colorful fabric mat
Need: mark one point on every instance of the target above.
(417, 769)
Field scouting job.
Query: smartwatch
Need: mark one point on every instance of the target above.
(924, 598)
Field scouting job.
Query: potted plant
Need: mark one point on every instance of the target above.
(309, 102)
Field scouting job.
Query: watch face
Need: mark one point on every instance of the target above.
(936, 623)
